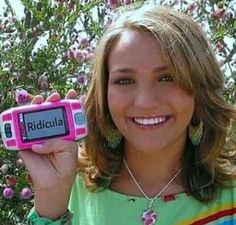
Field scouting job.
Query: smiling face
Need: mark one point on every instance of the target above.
(146, 104)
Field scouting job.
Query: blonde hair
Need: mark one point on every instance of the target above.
(189, 55)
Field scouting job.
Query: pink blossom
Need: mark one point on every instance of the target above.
(85, 52)
(90, 57)
(191, 7)
(127, 2)
(89, 49)
(8, 192)
(220, 47)
(26, 193)
(82, 98)
(218, 14)
(113, 3)
(79, 56)
(70, 54)
(84, 42)
(82, 79)
(22, 96)
(44, 86)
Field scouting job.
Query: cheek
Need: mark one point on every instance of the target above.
(110, 98)
(117, 98)
(114, 101)
(182, 102)
(114, 107)
(186, 107)
(118, 103)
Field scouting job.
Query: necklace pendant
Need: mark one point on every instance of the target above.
(149, 217)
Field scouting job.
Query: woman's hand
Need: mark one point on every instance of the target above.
(52, 168)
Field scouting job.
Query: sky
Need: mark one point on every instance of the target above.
(16, 4)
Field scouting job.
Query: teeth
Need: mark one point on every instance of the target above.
(151, 121)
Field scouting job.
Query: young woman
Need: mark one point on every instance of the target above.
(158, 124)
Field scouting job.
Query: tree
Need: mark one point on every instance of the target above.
(51, 49)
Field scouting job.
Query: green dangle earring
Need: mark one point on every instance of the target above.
(113, 139)
(195, 132)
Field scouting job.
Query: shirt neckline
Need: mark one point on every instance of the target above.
(164, 198)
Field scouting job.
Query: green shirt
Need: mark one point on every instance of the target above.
(111, 208)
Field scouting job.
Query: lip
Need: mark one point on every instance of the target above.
(150, 122)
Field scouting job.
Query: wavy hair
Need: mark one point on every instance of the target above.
(188, 53)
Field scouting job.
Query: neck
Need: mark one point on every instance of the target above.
(159, 166)
(152, 171)
(159, 193)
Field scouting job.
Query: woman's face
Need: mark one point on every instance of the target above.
(146, 104)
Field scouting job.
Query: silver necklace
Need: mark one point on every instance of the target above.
(149, 216)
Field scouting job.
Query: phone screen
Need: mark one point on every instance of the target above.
(43, 124)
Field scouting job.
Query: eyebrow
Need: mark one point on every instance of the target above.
(130, 70)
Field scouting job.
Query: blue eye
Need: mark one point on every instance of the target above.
(166, 77)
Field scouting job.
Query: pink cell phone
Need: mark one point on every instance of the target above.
(23, 126)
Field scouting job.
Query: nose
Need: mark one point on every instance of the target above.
(146, 97)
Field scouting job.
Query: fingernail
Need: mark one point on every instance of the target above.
(37, 147)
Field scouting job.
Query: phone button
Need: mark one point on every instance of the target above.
(79, 118)
(7, 130)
